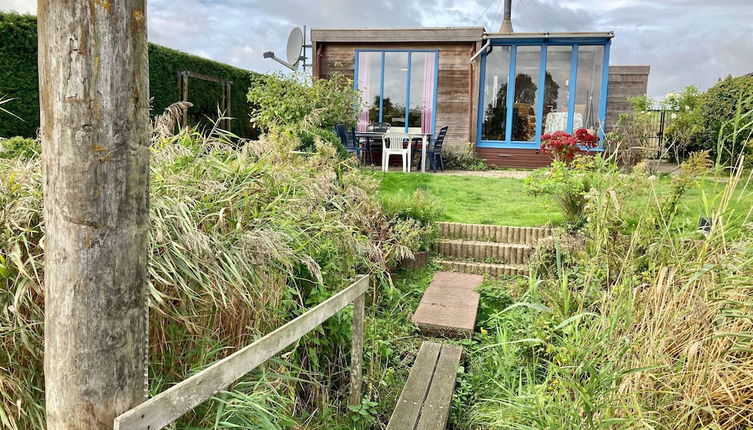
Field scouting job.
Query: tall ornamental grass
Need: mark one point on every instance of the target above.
(636, 323)
(244, 236)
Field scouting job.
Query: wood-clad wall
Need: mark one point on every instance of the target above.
(514, 158)
(457, 87)
(624, 82)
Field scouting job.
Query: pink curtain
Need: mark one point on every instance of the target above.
(427, 101)
(364, 78)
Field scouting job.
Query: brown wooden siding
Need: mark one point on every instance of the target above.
(515, 158)
(624, 82)
(456, 89)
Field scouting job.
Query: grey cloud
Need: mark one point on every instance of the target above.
(684, 41)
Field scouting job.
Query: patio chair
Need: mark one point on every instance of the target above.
(371, 143)
(349, 140)
(434, 151)
(393, 143)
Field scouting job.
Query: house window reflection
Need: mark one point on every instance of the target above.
(528, 59)
(557, 89)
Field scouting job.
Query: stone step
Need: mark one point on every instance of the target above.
(483, 252)
(493, 233)
(483, 268)
(449, 305)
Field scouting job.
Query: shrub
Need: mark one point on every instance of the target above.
(718, 108)
(302, 108)
(569, 184)
(19, 147)
(563, 146)
(462, 158)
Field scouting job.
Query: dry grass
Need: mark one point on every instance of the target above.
(240, 241)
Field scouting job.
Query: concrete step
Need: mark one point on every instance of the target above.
(493, 233)
(483, 252)
(483, 268)
(449, 305)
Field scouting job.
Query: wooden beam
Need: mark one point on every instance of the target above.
(172, 403)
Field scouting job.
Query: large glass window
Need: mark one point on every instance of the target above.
(518, 104)
(397, 87)
(395, 81)
(527, 66)
(369, 78)
(495, 93)
(588, 87)
(557, 88)
(421, 91)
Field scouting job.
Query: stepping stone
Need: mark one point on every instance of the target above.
(449, 305)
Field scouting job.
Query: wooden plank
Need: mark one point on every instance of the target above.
(172, 403)
(356, 355)
(408, 407)
(437, 405)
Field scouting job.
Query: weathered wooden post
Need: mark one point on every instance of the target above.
(94, 101)
(356, 354)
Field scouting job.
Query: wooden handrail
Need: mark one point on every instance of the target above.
(174, 402)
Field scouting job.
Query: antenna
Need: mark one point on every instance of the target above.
(296, 50)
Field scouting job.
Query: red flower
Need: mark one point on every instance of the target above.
(563, 146)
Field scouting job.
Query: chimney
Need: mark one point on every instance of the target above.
(507, 21)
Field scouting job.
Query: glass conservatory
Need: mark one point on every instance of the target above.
(539, 85)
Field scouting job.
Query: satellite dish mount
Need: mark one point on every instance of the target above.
(296, 51)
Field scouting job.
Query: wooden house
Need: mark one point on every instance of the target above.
(498, 91)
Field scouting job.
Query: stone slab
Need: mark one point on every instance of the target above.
(456, 280)
(456, 297)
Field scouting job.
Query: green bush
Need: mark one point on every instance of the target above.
(21, 148)
(19, 81)
(463, 158)
(718, 109)
(303, 109)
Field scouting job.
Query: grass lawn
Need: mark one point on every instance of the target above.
(473, 199)
(503, 201)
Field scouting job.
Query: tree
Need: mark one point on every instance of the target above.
(94, 103)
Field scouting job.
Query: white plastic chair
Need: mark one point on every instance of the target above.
(393, 143)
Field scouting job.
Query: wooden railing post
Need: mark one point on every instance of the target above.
(356, 357)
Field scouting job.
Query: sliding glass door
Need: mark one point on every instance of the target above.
(397, 87)
(532, 88)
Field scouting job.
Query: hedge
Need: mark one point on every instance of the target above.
(718, 107)
(19, 80)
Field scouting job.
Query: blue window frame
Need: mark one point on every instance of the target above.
(411, 75)
(588, 50)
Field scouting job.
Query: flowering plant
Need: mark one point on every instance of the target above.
(563, 146)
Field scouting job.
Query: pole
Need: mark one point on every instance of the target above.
(94, 102)
(356, 355)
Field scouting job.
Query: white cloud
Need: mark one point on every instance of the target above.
(21, 6)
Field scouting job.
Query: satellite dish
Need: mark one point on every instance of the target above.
(295, 46)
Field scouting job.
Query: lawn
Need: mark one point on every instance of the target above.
(503, 201)
(473, 199)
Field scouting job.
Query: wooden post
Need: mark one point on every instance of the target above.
(356, 357)
(94, 102)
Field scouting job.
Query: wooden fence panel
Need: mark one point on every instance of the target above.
(174, 402)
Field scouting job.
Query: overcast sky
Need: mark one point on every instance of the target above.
(684, 41)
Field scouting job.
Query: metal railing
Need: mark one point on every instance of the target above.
(177, 400)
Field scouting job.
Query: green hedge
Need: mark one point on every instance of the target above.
(19, 80)
(718, 109)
